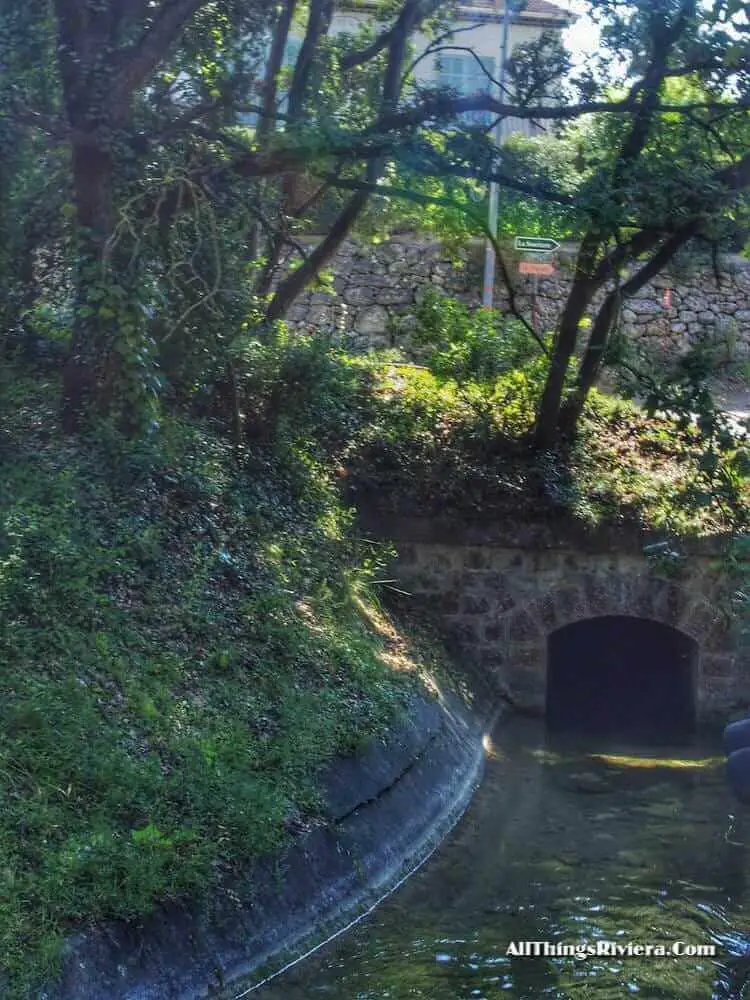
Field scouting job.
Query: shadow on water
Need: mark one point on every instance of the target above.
(566, 842)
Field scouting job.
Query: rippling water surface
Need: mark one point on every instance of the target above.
(568, 844)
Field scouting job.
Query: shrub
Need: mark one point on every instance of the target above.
(468, 345)
(303, 385)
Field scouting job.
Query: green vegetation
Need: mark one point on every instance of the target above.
(155, 193)
(445, 447)
(190, 630)
(189, 627)
(184, 644)
(455, 435)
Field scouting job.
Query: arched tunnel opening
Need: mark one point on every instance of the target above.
(621, 676)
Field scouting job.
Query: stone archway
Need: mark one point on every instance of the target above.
(498, 604)
(524, 629)
(618, 675)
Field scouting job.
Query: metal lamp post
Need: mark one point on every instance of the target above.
(489, 256)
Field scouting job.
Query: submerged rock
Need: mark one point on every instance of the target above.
(587, 781)
(661, 810)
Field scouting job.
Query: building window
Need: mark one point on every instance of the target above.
(462, 72)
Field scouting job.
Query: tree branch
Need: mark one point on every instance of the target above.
(136, 65)
(436, 44)
(353, 59)
(445, 106)
(273, 68)
(295, 282)
(319, 20)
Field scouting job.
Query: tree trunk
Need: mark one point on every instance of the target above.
(83, 376)
(591, 365)
(296, 282)
(580, 296)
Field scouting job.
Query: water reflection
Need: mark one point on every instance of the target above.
(565, 844)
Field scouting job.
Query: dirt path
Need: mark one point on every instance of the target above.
(734, 398)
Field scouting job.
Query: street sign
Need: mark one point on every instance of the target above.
(536, 267)
(537, 243)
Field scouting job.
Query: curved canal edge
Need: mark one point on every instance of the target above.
(388, 809)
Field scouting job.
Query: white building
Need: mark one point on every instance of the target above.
(479, 27)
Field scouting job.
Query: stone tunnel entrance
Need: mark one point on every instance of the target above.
(621, 676)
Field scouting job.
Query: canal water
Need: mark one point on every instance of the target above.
(564, 844)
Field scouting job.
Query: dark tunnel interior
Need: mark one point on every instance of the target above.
(620, 676)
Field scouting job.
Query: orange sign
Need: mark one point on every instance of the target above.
(536, 267)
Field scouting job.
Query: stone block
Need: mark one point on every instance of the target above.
(642, 591)
(600, 594)
(490, 658)
(531, 656)
(571, 605)
(471, 605)
(471, 582)
(319, 315)
(718, 692)
(546, 612)
(419, 582)
(572, 562)
(670, 602)
(718, 665)
(703, 622)
(372, 320)
(646, 307)
(395, 296)
(440, 558)
(524, 625)
(545, 561)
(526, 685)
(496, 631)
(476, 558)
(508, 559)
(501, 590)
(462, 632)
(407, 555)
(448, 603)
(719, 637)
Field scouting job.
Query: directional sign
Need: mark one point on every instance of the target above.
(536, 267)
(538, 243)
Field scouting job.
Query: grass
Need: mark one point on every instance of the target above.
(438, 446)
(184, 645)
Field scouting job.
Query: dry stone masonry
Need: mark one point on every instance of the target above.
(376, 289)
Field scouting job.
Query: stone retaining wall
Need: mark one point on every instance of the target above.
(376, 289)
